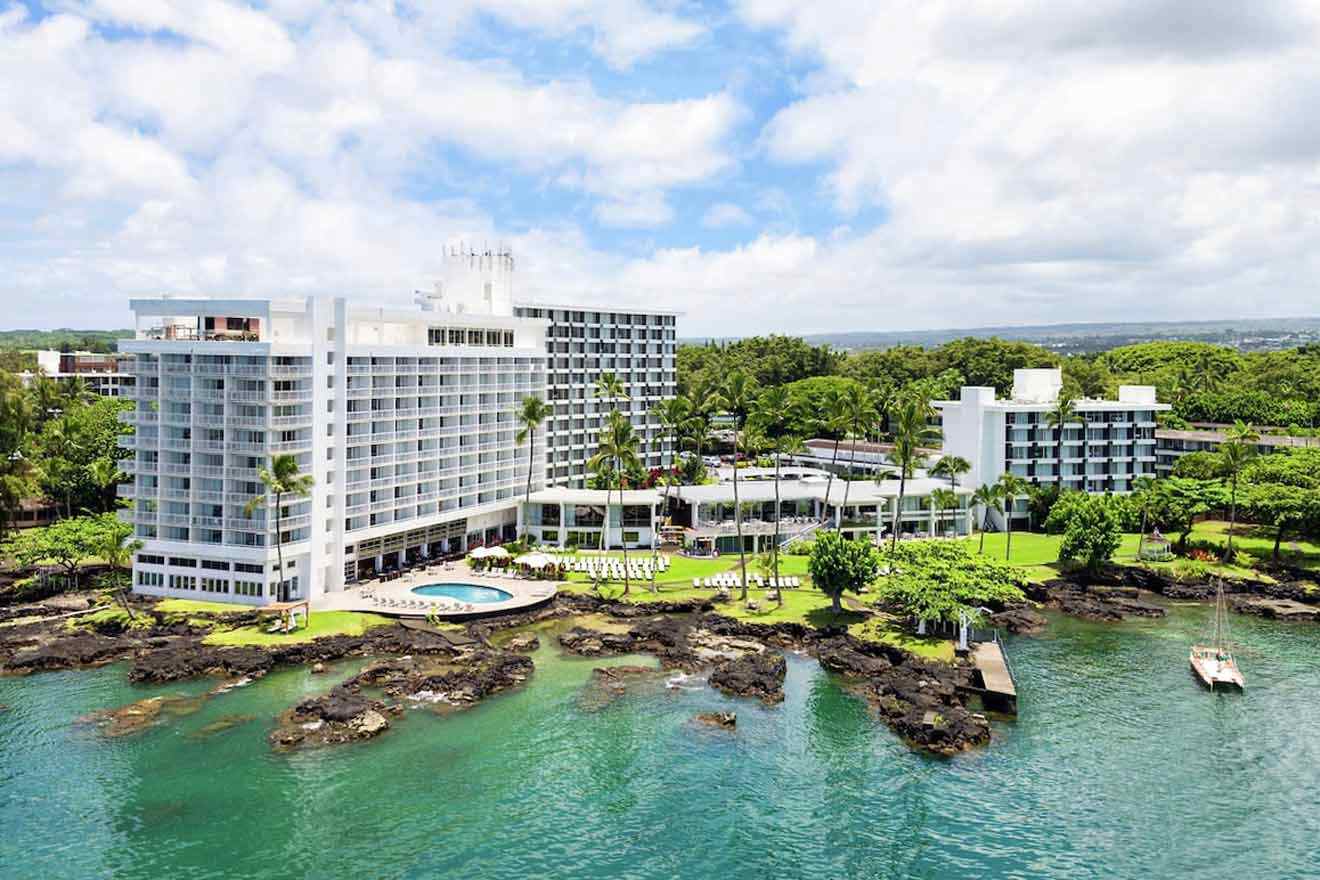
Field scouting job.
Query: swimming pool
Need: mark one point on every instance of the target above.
(465, 593)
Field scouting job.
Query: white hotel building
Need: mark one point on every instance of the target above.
(405, 418)
(1108, 447)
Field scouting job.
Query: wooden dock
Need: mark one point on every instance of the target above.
(1000, 691)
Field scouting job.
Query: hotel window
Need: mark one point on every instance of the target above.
(474, 337)
(183, 582)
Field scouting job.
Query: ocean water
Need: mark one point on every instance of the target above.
(1120, 766)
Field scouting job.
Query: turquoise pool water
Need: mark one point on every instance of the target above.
(465, 593)
(1120, 766)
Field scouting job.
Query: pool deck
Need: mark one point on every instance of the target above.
(526, 594)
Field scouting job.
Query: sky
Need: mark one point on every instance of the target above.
(760, 165)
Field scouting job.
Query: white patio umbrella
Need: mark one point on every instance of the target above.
(533, 560)
(496, 552)
(481, 552)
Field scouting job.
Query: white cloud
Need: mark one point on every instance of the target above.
(645, 210)
(1029, 161)
(724, 214)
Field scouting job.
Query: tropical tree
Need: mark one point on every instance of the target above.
(105, 474)
(610, 389)
(1010, 487)
(837, 564)
(1237, 450)
(68, 543)
(1141, 495)
(834, 418)
(912, 434)
(736, 399)
(952, 467)
(941, 500)
(771, 414)
(617, 452)
(531, 416)
(675, 415)
(1092, 535)
(861, 415)
(117, 546)
(282, 479)
(988, 498)
(701, 404)
(944, 581)
(1059, 417)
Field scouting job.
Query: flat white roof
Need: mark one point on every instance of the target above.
(564, 495)
(859, 492)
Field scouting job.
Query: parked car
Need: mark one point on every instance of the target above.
(711, 460)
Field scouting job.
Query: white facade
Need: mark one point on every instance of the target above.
(405, 420)
(637, 345)
(1108, 447)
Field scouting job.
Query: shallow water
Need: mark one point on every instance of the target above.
(1120, 766)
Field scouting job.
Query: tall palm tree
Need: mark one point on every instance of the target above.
(1058, 418)
(617, 450)
(1010, 487)
(859, 411)
(609, 388)
(1238, 449)
(736, 397)
(912, 433)
(951, 466)
(941, 500)
(532, 415)
(1141, 489)
(771, 414)
(701, 403)
(281, 479)
(833, 417)
(987, 497)
(675, 413)
(117, 546)
(61, 441)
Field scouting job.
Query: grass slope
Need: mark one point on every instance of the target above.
(320, 624)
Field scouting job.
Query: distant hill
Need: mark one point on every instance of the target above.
(63, 339)
(1256, 334)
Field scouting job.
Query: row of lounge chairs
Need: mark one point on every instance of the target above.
(730, 581)
(421, 605)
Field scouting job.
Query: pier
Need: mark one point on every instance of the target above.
(998, 687)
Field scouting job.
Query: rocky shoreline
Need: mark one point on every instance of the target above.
(925, 702)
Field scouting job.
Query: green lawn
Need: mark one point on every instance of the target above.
(320, 623)
(886, 629)
(191, 606)
(1259, 542)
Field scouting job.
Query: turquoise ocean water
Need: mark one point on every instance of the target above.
(1120, 766)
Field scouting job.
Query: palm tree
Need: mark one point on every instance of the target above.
(617, 450)
(1238, 449)
(912, 433)
(988, 497)
(61, 441)
(1058, 418)
(736, 399)
(941, 500)
(105, 473)
(1141, 488)
(116, 547)
(533, 413)
(859, 411)
(609, 388)
(771, 415)
(951, 466)
(1010, 486)
(281, 479)
(674, 414)
(833, 418)
(701, 400)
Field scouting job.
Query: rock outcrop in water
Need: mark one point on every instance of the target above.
(759, 675)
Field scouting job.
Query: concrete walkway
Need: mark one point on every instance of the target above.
(396, 598)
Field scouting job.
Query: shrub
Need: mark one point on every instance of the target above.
(1092, 535)
(800, 547)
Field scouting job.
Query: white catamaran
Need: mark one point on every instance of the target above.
(1214, 663)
